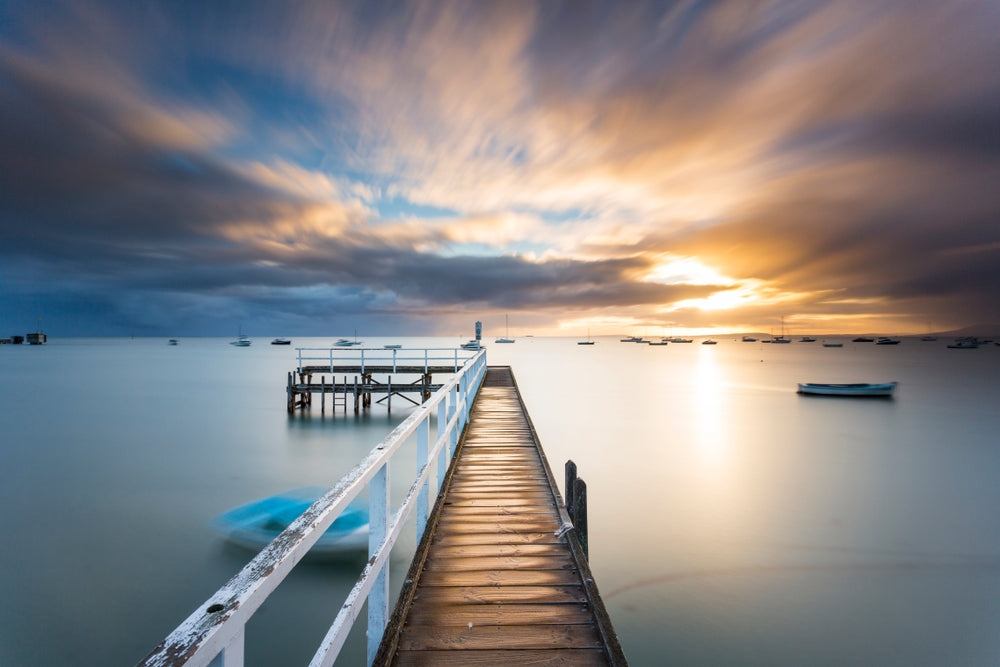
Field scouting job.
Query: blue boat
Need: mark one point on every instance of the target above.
(254, 525)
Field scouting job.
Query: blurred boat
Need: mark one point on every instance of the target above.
(887, 341)
(281, 341)
(964, 344)
(506, 337)
(807, 339)
(708, 341)
(254, 525)
(392, 347)
(816, 389)
(241, 340)
(749, 339)
(833, 345)
(863, 339)
(172, 341)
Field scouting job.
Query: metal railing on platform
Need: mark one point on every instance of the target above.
(214, 633)
(428, 358)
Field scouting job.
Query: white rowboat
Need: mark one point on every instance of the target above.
(884, 389)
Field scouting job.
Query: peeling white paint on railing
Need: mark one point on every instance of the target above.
(213, 634)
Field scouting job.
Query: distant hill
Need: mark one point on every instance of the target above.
(981, 330)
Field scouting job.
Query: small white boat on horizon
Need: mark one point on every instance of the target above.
(241, 340)
(506, 337)
(884, 389)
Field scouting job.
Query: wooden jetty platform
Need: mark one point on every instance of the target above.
(500, 575)
(361, 373)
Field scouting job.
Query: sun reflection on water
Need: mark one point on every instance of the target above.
(710, 423)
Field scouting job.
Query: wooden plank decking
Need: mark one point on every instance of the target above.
(491, 583)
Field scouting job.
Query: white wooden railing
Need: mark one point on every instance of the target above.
(213, 634)
(428, 358)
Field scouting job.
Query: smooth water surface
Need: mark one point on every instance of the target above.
(732, 521)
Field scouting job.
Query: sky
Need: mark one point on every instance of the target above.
(406, 168)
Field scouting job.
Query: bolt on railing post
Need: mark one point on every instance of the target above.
(378, 598)
(423, 430)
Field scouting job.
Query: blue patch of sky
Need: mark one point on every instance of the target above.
(397, 208)
(278, 109)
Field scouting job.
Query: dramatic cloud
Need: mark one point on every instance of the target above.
(175, 169)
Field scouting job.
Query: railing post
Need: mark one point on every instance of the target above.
(442, 459)
(378, 529)
(453, 434)
(232, 655)
(331, 360)
(362, 362)
(423, 430)
(466, 386)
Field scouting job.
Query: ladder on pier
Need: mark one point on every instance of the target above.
(498, 578)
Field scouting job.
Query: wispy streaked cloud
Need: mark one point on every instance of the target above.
(417, 166)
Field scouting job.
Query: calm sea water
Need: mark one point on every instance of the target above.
(732, 521)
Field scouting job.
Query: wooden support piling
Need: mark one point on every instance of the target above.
(578, 512)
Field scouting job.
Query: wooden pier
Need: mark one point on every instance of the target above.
(359, 374)
(500, 575)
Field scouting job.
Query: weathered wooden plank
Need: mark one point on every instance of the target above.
(460, 539)
(472, 550)
(500, 562)
(525, 658)
(501, 594)
(528, 512)
(486, 501)
(501, 578)
(463, 527)
(457, 497)
(423, 613)
(492, 637)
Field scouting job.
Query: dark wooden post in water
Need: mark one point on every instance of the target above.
(578, 513)
(570, 481)
(576, 505)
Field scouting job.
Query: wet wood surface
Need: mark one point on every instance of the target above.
(497, 586)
